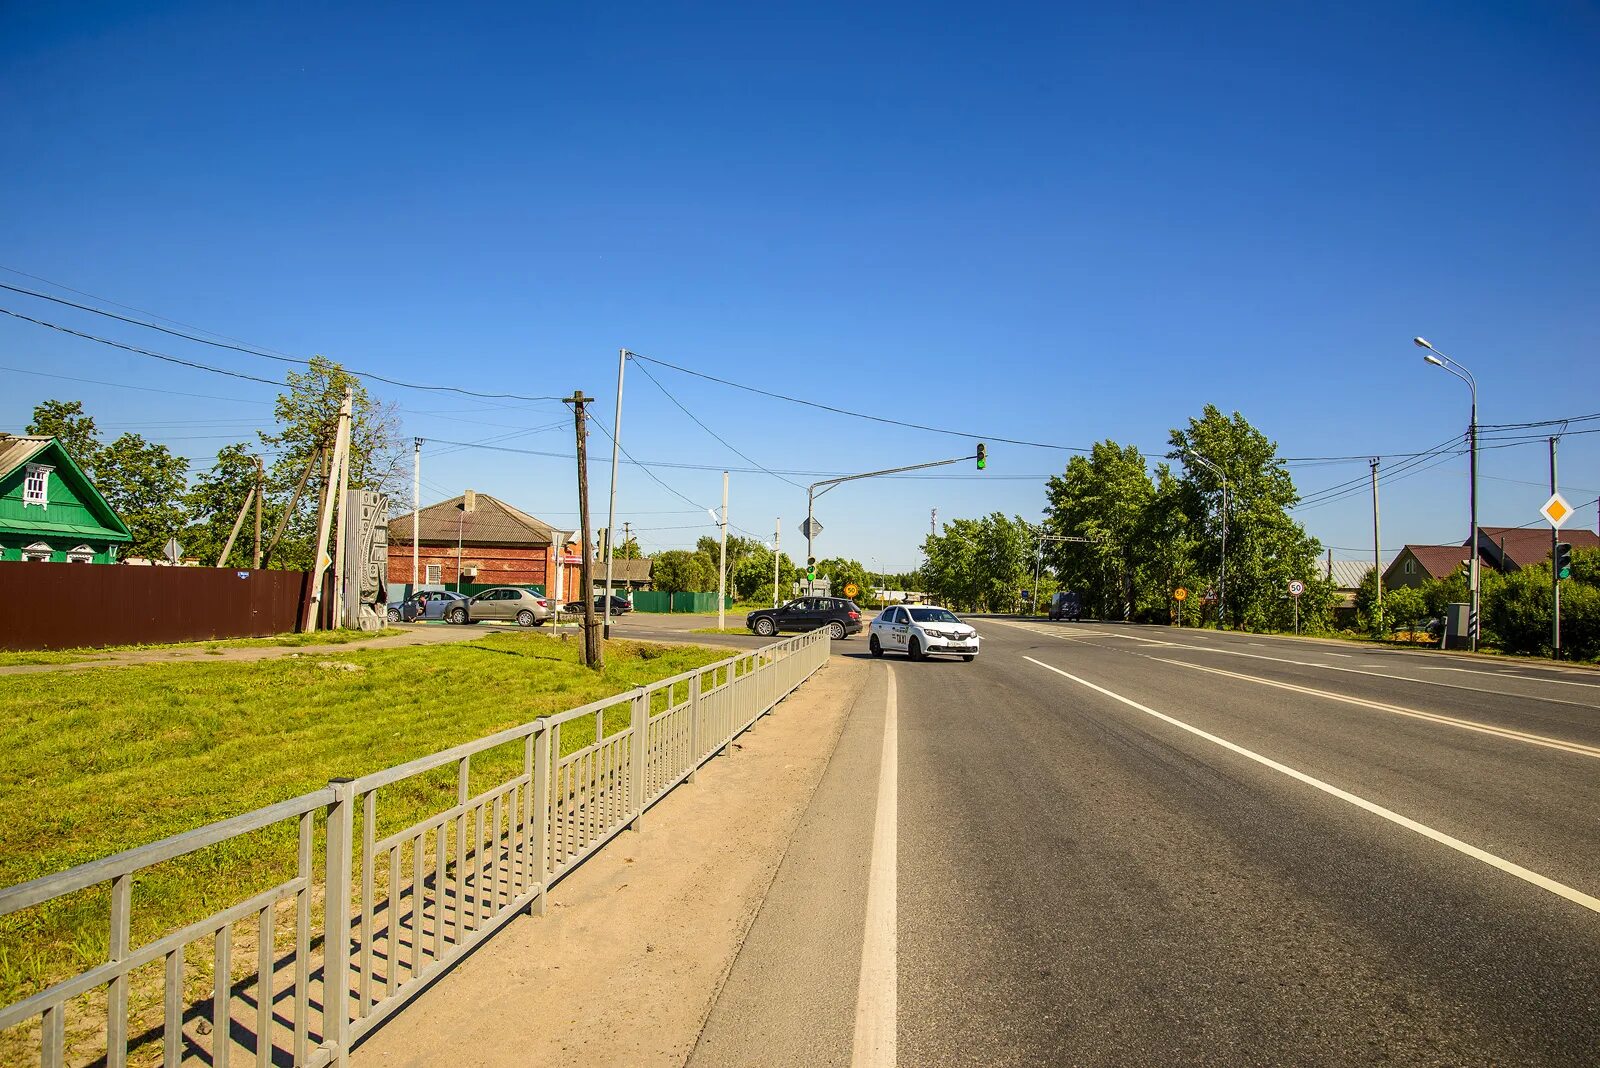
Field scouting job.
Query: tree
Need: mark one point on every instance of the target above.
(1405, 608)
(738, 549)
(682, 571)
(841, 572)
(752, 579)
(307, 414)
(67, 422)
(628, 550)
(144, 484)
(1105, 498)
(1266, 548)
(212, 505)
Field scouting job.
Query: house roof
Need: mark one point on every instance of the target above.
(16, 451)
(1531, 545)
(491, 522)
(623, 570)
(1345, 574)
(1439, 561)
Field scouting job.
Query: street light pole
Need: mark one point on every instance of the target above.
(1222, 578)
(611, 514)
(1439, 359)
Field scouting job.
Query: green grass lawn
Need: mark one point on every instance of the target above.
(720, 630)
(74, 656)
(100, 761)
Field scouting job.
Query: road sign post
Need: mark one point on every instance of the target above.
(1555, 511)
(1180, 595)
(1296, 588)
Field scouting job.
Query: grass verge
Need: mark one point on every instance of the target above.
(98, 762)
(74, 656)
(720, 630)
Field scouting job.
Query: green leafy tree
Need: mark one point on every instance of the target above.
(144, 484)
(629, 550)
(1406, 608)
(212, 505)
(1002, 558)
(752, 579)
(841, 572)
(682, 571)
(1105, 498)
(307, 416)
(951, 568)
(67, 422)
(1266, 547)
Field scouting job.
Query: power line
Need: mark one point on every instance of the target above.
(646, 371)
(125, 385)
(141, 352)
(246, 349)
(859, 415)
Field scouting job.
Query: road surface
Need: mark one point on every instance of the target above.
(1108, 845)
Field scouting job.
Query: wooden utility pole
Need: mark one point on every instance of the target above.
(261, 489)
(294, 501)
(321, 561)
(593, 651)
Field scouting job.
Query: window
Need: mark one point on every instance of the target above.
(81, 555)
(36, 485)
(1411, 565)
(435, 575)
(39, 552)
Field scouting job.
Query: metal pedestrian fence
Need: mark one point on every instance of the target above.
(301, 970)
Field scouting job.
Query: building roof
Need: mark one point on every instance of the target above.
(1345, 574)
(491, 521)
(1524, 546)
(630, 571)
(1439, 561)
(90, 516)
(18, 450)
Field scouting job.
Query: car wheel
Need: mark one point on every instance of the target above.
(836, 631)
(394, 615)
(914, 650)
(525, 618)
(873, 647)
(458, 616)
(969, 657)
(766, 628)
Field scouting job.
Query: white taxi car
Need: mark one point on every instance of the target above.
(918, 630)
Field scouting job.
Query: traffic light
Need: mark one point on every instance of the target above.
(811, 569)
(983, 456)
(1563, 560)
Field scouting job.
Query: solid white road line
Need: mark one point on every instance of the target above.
(1577, 897)
(877, 992)
(1399, 710)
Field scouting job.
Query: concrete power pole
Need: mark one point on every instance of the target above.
(1555, 577)
(261, 489)
(416, 506)
(340, 593)
(1377, 559)
(611, 512)
(722, 561)
(593, 651)
(777, 550)
(321, 561)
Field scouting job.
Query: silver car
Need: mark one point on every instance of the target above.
(504, 603)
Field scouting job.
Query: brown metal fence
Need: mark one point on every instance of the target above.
(74, 606)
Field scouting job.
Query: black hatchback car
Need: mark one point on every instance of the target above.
(842, 617)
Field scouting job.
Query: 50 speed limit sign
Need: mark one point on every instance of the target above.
(1296, 588)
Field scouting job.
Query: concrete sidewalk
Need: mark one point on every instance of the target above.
(624, 968)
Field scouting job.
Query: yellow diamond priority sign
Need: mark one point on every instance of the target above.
(1556, 510)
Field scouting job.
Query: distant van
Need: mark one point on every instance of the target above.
(1066, 605)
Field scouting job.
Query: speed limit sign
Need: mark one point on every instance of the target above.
(1296, 588)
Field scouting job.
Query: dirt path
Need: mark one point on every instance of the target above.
(625, 967)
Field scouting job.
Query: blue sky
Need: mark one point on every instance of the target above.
(1060, 223)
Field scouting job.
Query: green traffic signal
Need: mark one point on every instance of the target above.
(983, 456)
(1563, 560)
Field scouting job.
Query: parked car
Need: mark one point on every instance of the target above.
(423, 605)
(1066, 605)
(842, 617)
(619, 605)
(919, 630)
(502, 603)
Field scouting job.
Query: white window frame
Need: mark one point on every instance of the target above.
(1411, 565)
(38, 552)
(81, 555)
(36, 485)
(433, 575)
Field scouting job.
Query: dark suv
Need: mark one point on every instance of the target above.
(1066, 605)
(842, 617)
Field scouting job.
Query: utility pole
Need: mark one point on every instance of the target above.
(627, 536)
(722, 561)
(340, 594)
(1555, 577)
(320, 560)
(416, 506)
(593, 652)
(1377, 559)
(933, 523)
(294, 502)
(244, 510)
(777, 549)
(261, 489)
(611, 513)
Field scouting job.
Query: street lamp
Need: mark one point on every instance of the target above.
(1222, 579)
(1439, 359)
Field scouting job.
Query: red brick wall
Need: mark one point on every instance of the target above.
(496, 566)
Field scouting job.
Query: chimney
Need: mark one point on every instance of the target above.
(469, 502)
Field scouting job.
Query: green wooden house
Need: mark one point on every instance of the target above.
(49, 510)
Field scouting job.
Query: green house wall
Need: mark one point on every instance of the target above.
(72, 517)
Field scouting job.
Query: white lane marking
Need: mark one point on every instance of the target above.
(1543, 882)
(1435, 717)
(1347, 656)
(1515, 675)
(877, 993)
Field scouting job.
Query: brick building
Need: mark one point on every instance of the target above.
(494, 543)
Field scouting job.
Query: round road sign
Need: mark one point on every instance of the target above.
(1297, 587)
(1180, 594)
(851, 590)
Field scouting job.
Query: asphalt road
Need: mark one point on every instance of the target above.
(1108, 845)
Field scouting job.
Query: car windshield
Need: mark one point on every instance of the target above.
(932, 615)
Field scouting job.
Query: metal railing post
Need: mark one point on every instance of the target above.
(336, 925)
(641, 744)
(543, 813)
(694, 727)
